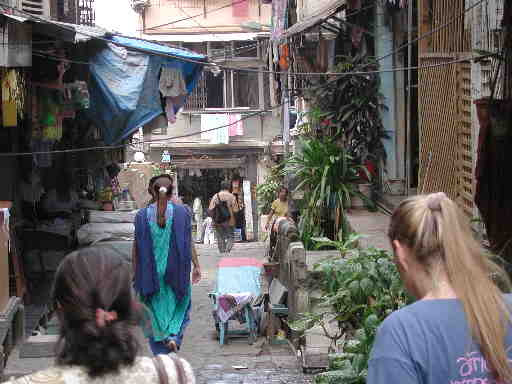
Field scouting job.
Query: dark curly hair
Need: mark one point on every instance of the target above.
(87, 280)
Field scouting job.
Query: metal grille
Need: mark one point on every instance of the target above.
(86, 12)
(466, 186)
(198, 99)
(452, 38)
(438, 126)
(445, 102)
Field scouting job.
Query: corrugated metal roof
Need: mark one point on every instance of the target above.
(323, 14)
(77, 33)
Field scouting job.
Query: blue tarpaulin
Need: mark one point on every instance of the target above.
(124, 92)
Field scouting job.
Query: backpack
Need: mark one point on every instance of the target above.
(220, 213)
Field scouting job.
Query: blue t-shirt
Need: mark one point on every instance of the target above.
(428, 342)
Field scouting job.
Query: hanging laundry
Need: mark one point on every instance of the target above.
(279, 18)
(50, 117)
(9, 108)
(173, 87)
(236, 127)
(9, 114)
(214, 128)
(53, 132)
(172, 82)
(169, 110)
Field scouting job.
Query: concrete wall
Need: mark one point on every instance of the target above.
(291, 255)
(222, 21)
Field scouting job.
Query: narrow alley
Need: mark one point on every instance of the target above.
(236, 362)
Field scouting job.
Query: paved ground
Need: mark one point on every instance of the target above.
(373, 226)
(214, 364)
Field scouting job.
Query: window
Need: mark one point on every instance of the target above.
(246, 89)
(229, 89)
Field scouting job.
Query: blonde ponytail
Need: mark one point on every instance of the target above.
(433, 227)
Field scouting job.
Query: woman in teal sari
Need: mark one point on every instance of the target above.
(163, 258)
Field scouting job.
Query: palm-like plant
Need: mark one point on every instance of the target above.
(328, 175)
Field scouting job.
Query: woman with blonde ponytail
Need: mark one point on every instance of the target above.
(163, 257)
(459, 330)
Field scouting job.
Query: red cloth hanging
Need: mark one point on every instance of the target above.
(240, 8)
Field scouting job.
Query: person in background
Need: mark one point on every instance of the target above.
(163, 255)
(279, 208)
(224, 230)
(97, 313)
(459, 330)
(236, 190)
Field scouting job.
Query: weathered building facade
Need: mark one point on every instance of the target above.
(236, 96)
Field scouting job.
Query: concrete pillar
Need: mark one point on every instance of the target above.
(383, 46)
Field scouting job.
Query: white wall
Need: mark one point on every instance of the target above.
(118, 16)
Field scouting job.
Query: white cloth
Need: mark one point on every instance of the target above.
(112, 217)
(197, 208)
(169, 110)
(230, 304)
(172, 83)
(94, 232)
(208, 231)
(215, 128)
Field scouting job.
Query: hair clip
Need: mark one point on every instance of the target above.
(434, 201)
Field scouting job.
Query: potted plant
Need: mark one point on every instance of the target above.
(329, 177)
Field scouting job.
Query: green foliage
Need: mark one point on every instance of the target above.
(350, 108)
(359, 291)
(328, 175)
(267, 192)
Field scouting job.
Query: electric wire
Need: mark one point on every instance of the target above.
(120, 146)
(432, 31)
(327, 74)
(292, 74)
(248, 116)
(274, 107)
(194, 16)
